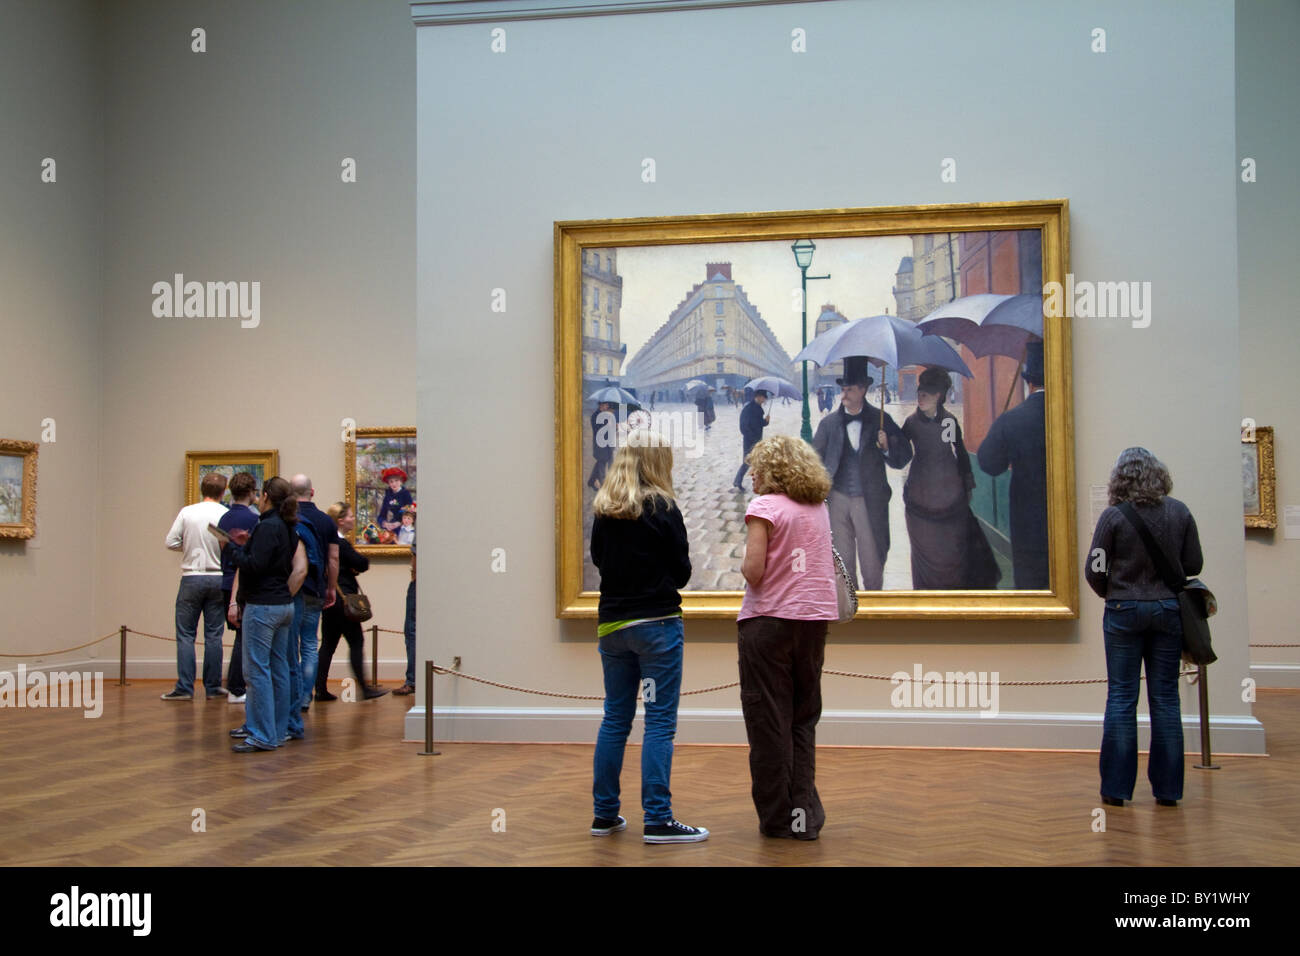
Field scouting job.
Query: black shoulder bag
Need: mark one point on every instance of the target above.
(1195, 601)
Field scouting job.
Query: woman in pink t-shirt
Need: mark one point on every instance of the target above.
(782, 625)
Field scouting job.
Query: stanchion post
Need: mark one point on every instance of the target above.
(428, 750)
(121, 657)
(374, 655)
(1203, 684)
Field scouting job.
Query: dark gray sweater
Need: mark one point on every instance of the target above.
(1129, 574)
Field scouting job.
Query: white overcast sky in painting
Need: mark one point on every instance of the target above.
(862, 270)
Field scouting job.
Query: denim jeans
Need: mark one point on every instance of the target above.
(199, 594)
(266, 670)
(304, 650)
(408, 626)
(1138, 632)
(650, 651)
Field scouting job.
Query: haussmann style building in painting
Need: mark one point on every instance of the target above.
(716, 335)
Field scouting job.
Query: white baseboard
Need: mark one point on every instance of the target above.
(1276, 675)
(1012, 731)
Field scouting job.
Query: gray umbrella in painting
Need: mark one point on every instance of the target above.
(614, 396)
(694, 385)
(989, 324)
(774, 385)
(888, 338)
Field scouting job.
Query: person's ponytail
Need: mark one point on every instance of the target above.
(276, 491)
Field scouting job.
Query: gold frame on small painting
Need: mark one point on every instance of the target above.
(350, 486)
(1050, 217)
(26, 527)
(268, 458)
(1265, 476)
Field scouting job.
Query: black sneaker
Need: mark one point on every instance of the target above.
(603, 826)
(177, 695)
(674, 832)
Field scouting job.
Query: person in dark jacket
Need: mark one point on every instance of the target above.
(334, 623)
(270, 563)
(242, 514)
(1018, 440)
(638, 542)
(752, 421)
(1142, 624)
(704, 404)
(856, 443)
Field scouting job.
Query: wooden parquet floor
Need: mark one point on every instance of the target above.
(123, 789)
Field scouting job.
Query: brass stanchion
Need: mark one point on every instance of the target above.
(121, 658)
(428, 750)
(1202, 679)
(374, 655)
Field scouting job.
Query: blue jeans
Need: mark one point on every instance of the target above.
(1137, 632)
(199, 594)
(409, 627)
(266, 670)
(630, 656)
(304, 651)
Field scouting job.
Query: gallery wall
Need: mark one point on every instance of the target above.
(225, 165)
(1268, 211)
(51, 273)
(540, 129)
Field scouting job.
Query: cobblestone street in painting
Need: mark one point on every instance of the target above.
(714, 512)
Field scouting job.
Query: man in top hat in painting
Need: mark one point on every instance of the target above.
(396, 498)
(856, 443)
(1018, 439)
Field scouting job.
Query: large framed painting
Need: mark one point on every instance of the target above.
(261, 464)
(923, 351)
(379, 483)
(17, 488)
(1257, 477)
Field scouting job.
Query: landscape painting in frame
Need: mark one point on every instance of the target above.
(17, 488)
(380, 482)
(261, 464)
(937, 393)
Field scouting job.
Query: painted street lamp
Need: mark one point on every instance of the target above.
(803, 254)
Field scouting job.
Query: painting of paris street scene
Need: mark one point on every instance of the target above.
(923, 394)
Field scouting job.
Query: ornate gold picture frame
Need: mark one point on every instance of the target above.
(1258, 480)
(17, 488)
(600, 264)
(385, 507)
(261, 464)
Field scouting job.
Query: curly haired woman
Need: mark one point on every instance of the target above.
(782, 632)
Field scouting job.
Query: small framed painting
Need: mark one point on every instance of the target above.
(17, 488)
(1257, 477)
(261, 465)
(379, 483)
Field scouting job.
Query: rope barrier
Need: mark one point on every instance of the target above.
(686, 693)
(438, 669)
(66, 650)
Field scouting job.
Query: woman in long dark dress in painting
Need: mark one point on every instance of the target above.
(949, 549)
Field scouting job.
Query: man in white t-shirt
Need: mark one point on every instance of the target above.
(200, 591)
